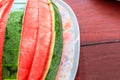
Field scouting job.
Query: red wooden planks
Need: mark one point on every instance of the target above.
(99, 62)
(99, 20)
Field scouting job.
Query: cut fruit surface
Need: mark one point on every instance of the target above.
(43, 42)
(28, 40)
(56, 46)
(33, 42)
(4, 12)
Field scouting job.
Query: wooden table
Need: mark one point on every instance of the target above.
(99, 22)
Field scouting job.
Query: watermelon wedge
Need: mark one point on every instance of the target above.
(11, 45)
(4, 11)
(43, 42)
(29, 39)
(56, 46)
(33, 41)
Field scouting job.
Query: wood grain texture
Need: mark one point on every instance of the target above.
(99, 22)
(99, 62)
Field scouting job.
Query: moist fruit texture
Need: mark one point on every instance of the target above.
(58, 44)
(4, 12)
(43, 41)
(29, 39)
(33, 42)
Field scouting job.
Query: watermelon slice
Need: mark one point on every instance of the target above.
(29, 39)
(43, 42)
(32, 48)
(4, 11)
(56, 46)
(11, 45)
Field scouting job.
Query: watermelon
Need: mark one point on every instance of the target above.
(29, 39)
(43, 42)
(56, 45)
(4, 12)
(11, 46)
(33, 42)
(26, 43)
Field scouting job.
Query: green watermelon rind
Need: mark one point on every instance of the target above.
(11, 46)
(58, 45)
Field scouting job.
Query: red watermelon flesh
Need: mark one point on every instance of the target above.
(29, 39)
(3, 5)
(43, 42)
(4, 12)
(2, 31)
(45, 1)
